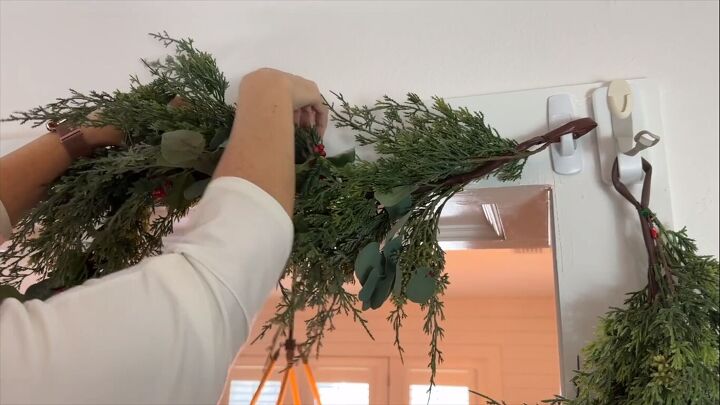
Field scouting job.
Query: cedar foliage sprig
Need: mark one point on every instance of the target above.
(100, 216)
(660, 349)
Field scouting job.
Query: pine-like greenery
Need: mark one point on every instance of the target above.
(660, 348)
(111, 210)
(100, 216)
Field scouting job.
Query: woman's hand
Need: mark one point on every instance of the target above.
(261, 148)
(308, 104)
(98, 137)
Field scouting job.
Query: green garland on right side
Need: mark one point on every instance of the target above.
(660, 348)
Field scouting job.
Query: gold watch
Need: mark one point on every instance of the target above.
(71, 138)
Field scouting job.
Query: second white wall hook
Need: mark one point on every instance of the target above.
(620, 99)
(618, 110)
(566, 155)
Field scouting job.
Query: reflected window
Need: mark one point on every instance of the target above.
(344, 393)
(441, 395)
(242, 391)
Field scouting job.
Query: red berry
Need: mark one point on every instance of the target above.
(654, 233)
(320, 149)
(159, 193)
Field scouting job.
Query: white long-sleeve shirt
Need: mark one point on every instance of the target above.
(163, 331)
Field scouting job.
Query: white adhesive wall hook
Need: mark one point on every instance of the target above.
(620, 98)
(566, 155)
(620, 102)
(619, 109)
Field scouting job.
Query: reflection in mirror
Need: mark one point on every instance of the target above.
(501, 329)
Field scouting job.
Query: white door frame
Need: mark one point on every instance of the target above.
(599, 251)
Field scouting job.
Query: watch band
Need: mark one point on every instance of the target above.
(71, 138)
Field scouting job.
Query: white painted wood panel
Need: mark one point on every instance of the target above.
(598, 246)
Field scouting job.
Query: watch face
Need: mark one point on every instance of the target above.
(51, 126)
(54, 126)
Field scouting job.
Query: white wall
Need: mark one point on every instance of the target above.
(366, 49)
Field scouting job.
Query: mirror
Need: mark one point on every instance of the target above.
(501, 326)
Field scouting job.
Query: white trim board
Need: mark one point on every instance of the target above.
(598, 246)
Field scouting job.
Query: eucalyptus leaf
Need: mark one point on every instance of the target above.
(391, 271)
(392, 249)
(421, 286)
(181, 146)
(395, 196)
(206, 162)
(390, 254)
(343, 158)
(175, 195)
(368, 288)
(382, 290)
(368, 258)
(397, 284)
(161, 161)
(400, 209)
(196, 189)
(219, 139)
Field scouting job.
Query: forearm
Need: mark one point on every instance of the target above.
(26, 172)
(261, 144)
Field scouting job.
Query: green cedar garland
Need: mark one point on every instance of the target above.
(110, 211)
(662, 348)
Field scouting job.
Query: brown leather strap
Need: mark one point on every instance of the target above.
(645, 215)
(74, 143)
(532, 146)
(72, 139)
(577, 128)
